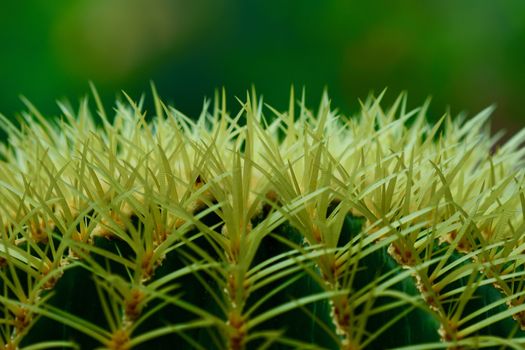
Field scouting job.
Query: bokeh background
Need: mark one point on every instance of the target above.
(465, 54)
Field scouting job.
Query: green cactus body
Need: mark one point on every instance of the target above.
(261, 230)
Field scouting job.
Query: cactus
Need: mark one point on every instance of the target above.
(260, 230)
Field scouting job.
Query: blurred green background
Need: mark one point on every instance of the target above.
(465, 54)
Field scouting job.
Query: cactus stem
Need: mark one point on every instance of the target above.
(164, 190)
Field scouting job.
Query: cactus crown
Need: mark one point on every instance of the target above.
(262, 229)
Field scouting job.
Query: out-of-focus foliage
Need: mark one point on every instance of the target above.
(466, 54)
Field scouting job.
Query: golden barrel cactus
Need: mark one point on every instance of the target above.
(262, 229)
